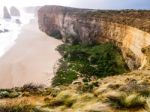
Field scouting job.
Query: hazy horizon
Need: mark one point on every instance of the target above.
(97, 4)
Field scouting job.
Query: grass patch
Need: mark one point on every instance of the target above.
(66, 98)
(86, 61)
(127, 101)
(19, 108)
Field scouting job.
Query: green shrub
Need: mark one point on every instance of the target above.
(4, 94)
(85, 61)
(8, 93)
(56, 34)
(64, 77)
(14, 94)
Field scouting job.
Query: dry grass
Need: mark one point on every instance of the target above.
(127, 93)
(127, 101)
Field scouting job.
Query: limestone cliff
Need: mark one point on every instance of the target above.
(92, 26)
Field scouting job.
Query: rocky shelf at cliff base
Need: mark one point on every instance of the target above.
(128, 29)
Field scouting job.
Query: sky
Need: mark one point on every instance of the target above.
(94, 4)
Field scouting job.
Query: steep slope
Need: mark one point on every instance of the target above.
(93, 26)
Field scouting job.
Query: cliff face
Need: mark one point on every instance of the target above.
(79, 26)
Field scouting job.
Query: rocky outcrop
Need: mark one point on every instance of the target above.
(14, 11)
(146, 51)
(79, 26)
(6, 13)
(18, 21)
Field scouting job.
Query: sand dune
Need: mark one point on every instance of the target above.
(31, 59)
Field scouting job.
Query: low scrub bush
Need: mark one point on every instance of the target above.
(32, 88)
(8, 93)
(85, 61)
(66, 98)
(127, 101)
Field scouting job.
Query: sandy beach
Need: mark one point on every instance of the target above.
(30, 60)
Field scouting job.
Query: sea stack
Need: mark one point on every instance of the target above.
(6, 13)
(14, 11)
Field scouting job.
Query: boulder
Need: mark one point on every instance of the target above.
(18, 21)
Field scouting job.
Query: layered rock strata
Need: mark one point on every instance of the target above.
(78, 26)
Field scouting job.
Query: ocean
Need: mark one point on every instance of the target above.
(10, 29)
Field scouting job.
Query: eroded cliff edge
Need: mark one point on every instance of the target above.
(128, 29)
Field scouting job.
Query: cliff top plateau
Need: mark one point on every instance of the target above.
(135, 18)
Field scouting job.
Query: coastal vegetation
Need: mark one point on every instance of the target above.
(19, 108)
(111, 94)
(88, 61)
(90, 77)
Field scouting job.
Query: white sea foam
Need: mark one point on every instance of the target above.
(7, 39)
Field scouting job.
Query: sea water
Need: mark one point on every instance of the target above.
(12, 30)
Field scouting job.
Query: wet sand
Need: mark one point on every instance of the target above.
(30, 60)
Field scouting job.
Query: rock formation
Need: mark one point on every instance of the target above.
(6, 13)
(92, 26)
(14, 11)
(18, 21)
(4, 31)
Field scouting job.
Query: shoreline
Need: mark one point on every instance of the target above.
(30, 60)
